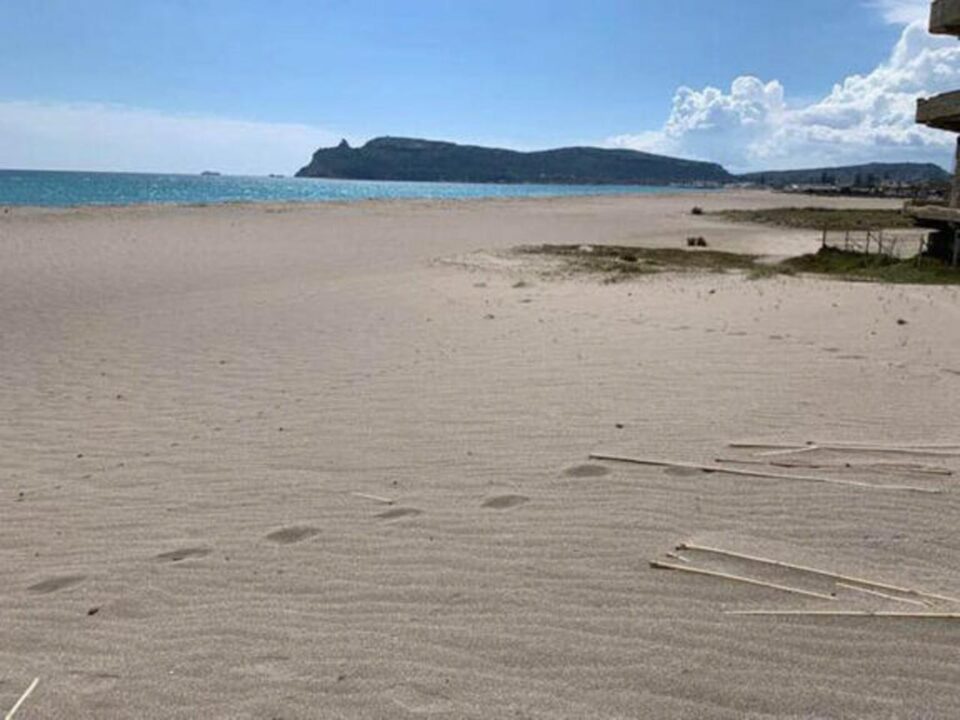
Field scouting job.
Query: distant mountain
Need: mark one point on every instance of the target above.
(852, 175)
(389, 158)
(393, 158)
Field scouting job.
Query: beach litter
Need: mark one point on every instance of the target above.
(719, 468)
(874, 589)
(22, 700)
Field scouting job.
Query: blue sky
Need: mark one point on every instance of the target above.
(255, 86)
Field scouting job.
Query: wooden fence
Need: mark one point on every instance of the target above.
(877, 242)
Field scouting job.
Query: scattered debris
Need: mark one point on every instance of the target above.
(737, 578)
(944, 450)
(848, 613)
(911, 592)
(876, 466)
(761, 474)
(23, 699)
(374, 498)
(885, 596)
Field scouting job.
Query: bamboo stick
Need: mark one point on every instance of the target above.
(894, 451)
(934, 451)
(816, 571)
(789, 451)
(22, 700)
(847, 613)
(846, 443)
(879, 594)
(751, 473)
(656, 564)
(375, 498)
(749, 445)
(892, 467)
(907, 446)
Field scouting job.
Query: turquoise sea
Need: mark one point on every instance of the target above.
(64, 189)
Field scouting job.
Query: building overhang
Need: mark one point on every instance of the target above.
(945, 17)
(940, 111)
(934, 216)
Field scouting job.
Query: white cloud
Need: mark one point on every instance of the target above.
(902, 12)
(94, 136)
(864, 118)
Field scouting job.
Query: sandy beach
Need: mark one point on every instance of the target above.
(205, 410)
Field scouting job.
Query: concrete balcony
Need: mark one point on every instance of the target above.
(945, 17)
(933, 215)
(941, 111)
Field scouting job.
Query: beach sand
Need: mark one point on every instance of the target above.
(193, 397)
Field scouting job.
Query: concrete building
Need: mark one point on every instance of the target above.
(943, 113)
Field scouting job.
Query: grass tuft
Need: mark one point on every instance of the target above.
(814, 218)
(619, 262)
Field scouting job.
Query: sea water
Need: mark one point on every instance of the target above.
(65, 189)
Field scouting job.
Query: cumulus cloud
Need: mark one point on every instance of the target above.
(902, 12)
(864, 118)
(95, 136)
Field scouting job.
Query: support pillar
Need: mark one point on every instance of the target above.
(955, 188)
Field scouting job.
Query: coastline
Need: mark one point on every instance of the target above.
(79, 189)
(320, 204)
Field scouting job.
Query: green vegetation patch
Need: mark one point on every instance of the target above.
(814, 218)
(876, 268)
(621, 261)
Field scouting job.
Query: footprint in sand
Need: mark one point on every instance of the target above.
(397, 513)
(505, 502)
(53, 584)
(291, 535)
(586, 471)
(183, 554)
